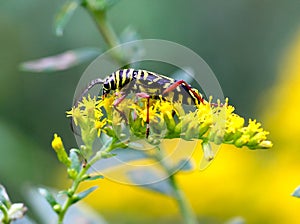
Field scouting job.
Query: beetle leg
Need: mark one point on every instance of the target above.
(182, 82)
(119, 99)
(117, 102)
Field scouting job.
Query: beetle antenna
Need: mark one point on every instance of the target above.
(90, 85)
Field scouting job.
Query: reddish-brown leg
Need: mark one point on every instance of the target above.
(178, 83)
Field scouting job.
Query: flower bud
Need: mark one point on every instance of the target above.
(169, 122)
(59, 148)
(265, 144)
(243, 140)
(207, 151)
(257, 138)
(57, 208)
(72, 173)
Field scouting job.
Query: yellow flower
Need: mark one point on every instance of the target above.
(89, 105)
(75, 113)
(107, 103)
(142, 112)
(216, 123)
(265, 144)
(165, 108)
(243, 140)
(59, 148)
(57, 143)
(233, 121)
(252, 128)
(99, 126)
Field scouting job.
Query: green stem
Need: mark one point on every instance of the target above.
(71, 193)
(106, 29)
(5, 219)
(184, 207)
(180, 198)
(102, 153)
(108, 34)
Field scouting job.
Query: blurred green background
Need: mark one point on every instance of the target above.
(243, 41)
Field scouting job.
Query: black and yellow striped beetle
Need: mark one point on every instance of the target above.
(148, 85)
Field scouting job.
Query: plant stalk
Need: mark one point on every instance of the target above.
(108, 35)
(72, 192)
(107, 148)
(184, 206)
(5, 218)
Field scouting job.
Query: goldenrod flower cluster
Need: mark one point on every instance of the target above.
(209, 122)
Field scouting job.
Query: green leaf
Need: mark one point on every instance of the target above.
(64, 15)
(95, 177)
(83, 194)
(129, 34)
(80, 211)
(106, 155)
(4, 199)
(185, 165)
(61, 61)
(101, 5)
(63, 192)
(75, 161)
(48, 196)
(135, 51)
(296, 192)
(146, 175)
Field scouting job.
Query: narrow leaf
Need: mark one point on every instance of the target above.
(79, 213)
(61, 61)
(101, 4)
(296, 192)
(95, 177)
(145, 175)
(135, 51)
(64, 15)
(83, 194)
(48, 196)
(106, 155)
(63, 192)
(129, 34)
(185, 165)
(75, 161)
